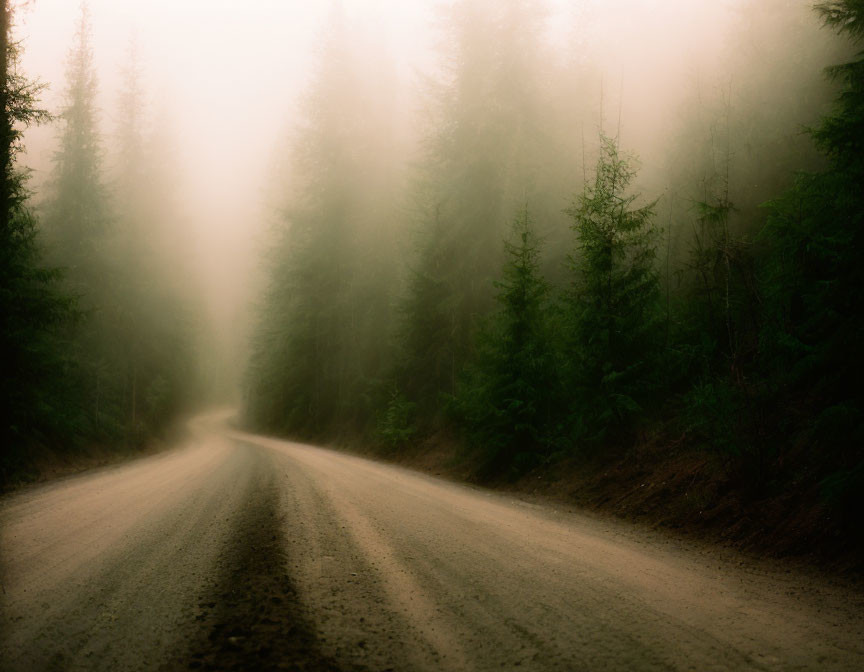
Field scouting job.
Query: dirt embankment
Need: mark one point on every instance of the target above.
(672, 485)
(44, 463)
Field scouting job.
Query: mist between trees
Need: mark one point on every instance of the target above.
(477, 256)
(97, 327)
(520, 287)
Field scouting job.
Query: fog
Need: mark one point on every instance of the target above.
(226, 83)
(588, 254)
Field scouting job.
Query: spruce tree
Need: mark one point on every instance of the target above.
(721, 309)
(35, 404)
(152, 313)
(483, 152)
(79, 231)
(614, 305)
(505, 397)
(323, 331)
(302, 340)
(811, 341)
(76, 216)
(430, 322)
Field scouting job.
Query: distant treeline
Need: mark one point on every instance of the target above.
(96, 334)
(515, 287)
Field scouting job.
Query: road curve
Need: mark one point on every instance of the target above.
(237, 551)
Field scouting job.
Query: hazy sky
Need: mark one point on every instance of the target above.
(218, 65)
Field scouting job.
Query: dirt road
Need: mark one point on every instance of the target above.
(242, 552)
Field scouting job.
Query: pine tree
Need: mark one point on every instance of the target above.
(128, 250)
(429, 322)
(483, 154)
(34, 313)
(151, 312)
(76, 217)
(814, 328)
(324, 324)
(614, 306)
(505, 399)
(303, 334)
(458, 214)
(721, 309)
(79, 231)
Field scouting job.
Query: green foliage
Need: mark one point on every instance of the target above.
(76, 223)
(711, 261)
(815, 314)
(842, 491)
(395, 426)
(505, 397)
(713, 411)
(613, 308)
(76, 217)
(148, 304)
(34, 312)
(157, 399)
(844, 16)
(110, 365)
(433, 348)
(760, 345)
(483, 154)
(324, 325)
(719, 311)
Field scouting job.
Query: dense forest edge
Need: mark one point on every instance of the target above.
(97, 333)
(688, 351)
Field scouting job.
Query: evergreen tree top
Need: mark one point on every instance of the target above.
(844, 16)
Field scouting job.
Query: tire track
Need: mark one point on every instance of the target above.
(253, 619)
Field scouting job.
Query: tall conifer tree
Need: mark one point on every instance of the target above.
(79, 229)
(35, 403)
(482, 156)
(814, 327)
(615, 302)
(505, 399)
(323, 329)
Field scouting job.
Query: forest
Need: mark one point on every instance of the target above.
(476, 259)
(431, 335)
(97, 334)
(549, 304)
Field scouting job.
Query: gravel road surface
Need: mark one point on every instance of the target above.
(242, 552)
